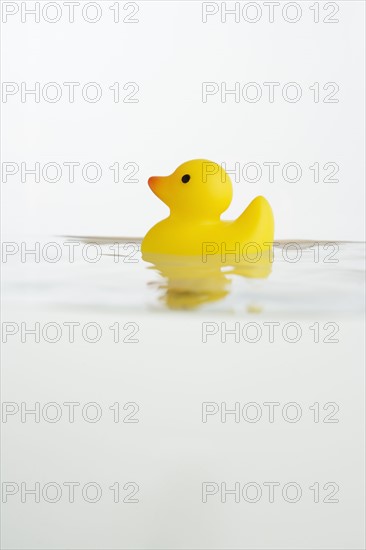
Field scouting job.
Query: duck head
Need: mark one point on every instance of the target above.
(199, 189)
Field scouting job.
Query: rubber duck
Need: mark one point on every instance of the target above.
(197, 193)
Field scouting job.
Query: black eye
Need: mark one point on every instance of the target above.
(186, 178)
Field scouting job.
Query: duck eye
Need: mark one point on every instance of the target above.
(186, 178)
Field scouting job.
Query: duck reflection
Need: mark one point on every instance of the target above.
(189, 281)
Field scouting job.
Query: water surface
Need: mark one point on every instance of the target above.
(110, 274)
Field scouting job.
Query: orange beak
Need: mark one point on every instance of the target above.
(152, 182)
(159, 185)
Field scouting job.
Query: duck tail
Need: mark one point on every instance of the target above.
(257, 222)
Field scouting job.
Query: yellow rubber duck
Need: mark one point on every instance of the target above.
(197, 193)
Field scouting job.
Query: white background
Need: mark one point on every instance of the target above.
(169, 53)
(171, 452)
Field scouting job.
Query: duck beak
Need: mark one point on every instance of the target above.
(158, 185)
(153, 183)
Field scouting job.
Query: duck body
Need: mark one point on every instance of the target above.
(197, 193)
